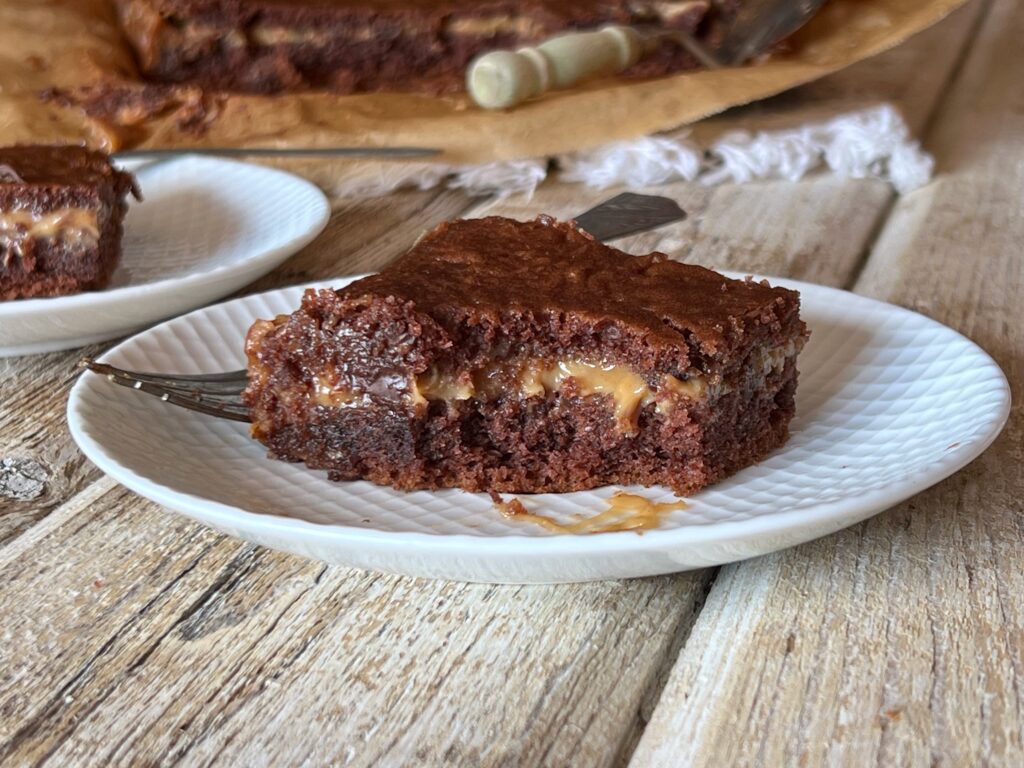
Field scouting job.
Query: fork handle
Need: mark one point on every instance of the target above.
(503, 79)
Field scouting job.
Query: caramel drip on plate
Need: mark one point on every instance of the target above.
(626, 512)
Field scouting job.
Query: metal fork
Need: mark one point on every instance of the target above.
(756, 27)
(215, 394)
(220, 394)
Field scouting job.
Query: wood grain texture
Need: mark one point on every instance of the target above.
(222, 651)
(131, 635)
(901, 641)
(34, 438)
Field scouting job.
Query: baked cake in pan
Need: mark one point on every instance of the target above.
(269, 46)
(61, 213)
(526, 357)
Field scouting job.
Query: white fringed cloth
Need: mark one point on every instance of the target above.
(869, 143)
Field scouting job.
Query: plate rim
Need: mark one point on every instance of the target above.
(28, 308)
(827, 516)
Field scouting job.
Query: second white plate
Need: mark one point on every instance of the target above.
(889, 403)
(206, 228)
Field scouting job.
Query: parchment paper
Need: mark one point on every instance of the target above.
(74, 44)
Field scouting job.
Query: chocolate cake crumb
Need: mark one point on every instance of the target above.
(130, 108)
(507, 356)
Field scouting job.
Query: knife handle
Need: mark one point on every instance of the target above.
(502, 79)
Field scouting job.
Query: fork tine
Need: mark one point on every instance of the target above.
(228, 383)
(225, 409)
(187, 392)
(232, 410)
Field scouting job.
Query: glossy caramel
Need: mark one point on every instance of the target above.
(625, 512)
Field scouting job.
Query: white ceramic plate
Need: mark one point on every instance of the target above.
(206, 228)
(889, 403)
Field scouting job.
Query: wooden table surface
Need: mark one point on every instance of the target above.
(132, 636)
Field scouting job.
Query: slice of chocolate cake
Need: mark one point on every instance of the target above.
(525, 357)
(61, 213)
(268, 46)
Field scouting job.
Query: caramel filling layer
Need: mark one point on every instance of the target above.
(538, 378)
(521, 26)
(266, 35)
(75, 226)
(68, 223)
(488, 26)
(259, 34)
(774, 359)
(327, 393)
(535, 377)
(673, 9)
(262, 34)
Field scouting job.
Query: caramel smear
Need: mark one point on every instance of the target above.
(626, 512)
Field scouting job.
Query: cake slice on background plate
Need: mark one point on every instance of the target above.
(61, 219)
(272, 46)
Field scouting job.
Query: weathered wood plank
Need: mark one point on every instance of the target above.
(201, 649)
(91, 589)
(901, 641)
(40, 466)
(216, 647)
